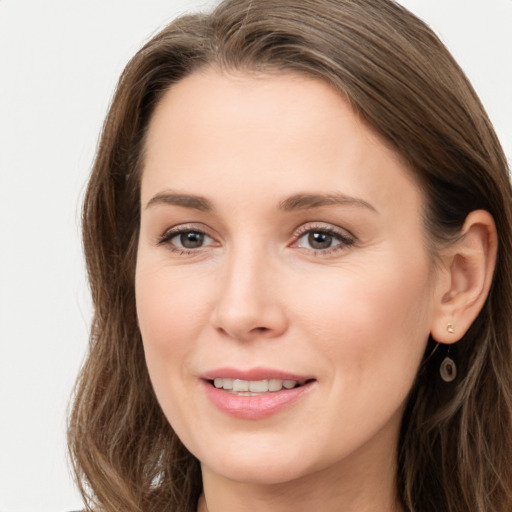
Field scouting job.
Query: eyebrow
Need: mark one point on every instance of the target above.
(185, 200)
(308, 201)
(295, 202)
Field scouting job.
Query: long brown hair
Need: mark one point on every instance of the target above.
(455, 449)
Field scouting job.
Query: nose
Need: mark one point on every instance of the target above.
(250, 301)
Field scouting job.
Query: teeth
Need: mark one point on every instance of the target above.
(275, 384)
(240, 385)
(258, 386)
(253, 386)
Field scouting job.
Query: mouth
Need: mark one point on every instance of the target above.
(242, 387)
(255, 393)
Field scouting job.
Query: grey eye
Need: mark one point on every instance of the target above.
(322, 240)
(191, 239)
(318, 240)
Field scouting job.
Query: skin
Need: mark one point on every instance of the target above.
(355, 316)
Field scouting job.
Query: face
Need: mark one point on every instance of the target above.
(284, 290)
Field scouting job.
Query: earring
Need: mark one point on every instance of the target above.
(450, 328)
(448, 368)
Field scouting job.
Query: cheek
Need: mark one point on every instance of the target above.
(374, 325)
(172, 311)
(371, 331)
(170, 308)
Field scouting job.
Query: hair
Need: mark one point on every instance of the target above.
(455, 445)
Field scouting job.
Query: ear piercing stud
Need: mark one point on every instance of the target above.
(450, 328)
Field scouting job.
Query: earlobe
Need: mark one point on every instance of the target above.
(468, 268)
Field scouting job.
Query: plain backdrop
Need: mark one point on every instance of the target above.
(59, 63)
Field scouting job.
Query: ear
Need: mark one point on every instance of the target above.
(465, 278)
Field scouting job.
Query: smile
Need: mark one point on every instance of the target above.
(255, 397)
(242, 387)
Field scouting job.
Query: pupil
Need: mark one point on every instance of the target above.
(191, 240)
(319, 240)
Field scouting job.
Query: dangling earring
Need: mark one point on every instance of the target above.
(448, 368)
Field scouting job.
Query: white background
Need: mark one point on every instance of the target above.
(59, 62)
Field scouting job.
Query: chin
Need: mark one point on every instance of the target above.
(246, 470)
(261, 460)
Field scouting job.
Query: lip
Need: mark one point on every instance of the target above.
(259, 406)
(259, 373)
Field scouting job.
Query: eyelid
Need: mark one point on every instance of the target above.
(345, 237)
(178, 229)
(325, 227)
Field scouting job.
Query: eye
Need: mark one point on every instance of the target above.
(323, 240)
(190, 239)
(185, 240)
(318, 240)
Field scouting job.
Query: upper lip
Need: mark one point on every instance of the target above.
(253, 374)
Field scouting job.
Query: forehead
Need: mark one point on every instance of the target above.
(241, 129)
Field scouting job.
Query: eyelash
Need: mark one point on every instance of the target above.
(345, 240)
(343, 237)
(166, 238)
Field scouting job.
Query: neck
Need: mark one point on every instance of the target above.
(283, 498)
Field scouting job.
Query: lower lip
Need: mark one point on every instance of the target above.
(255, 407)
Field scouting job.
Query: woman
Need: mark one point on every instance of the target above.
(298, 236)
